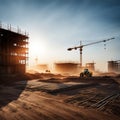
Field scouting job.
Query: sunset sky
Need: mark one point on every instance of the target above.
(55, 25)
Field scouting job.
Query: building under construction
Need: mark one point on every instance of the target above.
(114, 66)
(13, 50)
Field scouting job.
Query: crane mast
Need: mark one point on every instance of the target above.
(80, 47)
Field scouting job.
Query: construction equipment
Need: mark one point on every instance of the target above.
(86, 73)
(81, 47)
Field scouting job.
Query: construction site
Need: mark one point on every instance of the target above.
(63, 95)
(74, 68)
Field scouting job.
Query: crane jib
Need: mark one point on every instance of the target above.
(81, 47)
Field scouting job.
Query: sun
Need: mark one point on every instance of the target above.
(37, 49)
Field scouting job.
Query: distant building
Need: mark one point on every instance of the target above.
(42, 67)
(67, 67)
(90, 66)
(114, 66)
(13, 50)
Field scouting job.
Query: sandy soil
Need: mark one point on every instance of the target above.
(54, 97)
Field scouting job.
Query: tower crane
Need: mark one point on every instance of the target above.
(81, 47)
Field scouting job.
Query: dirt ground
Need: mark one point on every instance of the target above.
(55, 97)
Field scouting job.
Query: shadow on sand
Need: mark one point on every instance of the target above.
(11, 86)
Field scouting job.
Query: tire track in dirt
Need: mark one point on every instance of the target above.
(41, 107)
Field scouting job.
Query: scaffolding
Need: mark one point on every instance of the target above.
(13, 50)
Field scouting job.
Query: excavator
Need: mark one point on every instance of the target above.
(86, 73)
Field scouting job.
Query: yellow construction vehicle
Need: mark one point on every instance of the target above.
(86, 73)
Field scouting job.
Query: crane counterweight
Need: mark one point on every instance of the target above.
(69, 49)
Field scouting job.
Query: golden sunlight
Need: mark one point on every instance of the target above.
(37, 49)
